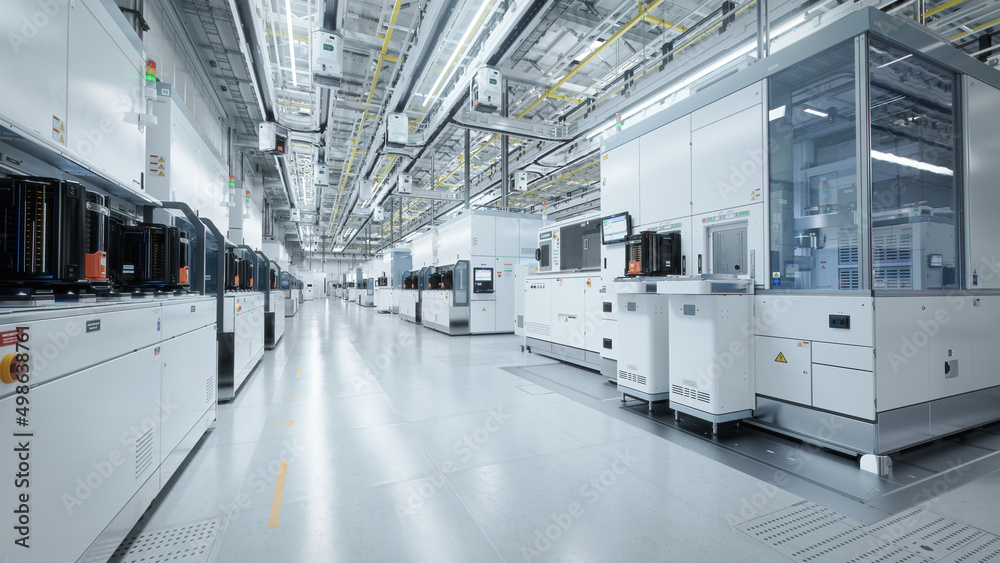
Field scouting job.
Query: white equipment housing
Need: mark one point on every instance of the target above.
(409, 297)
(404, 185)
(120, 360)
(562, 296)
(272, 138)
(471, 290)
(322, 176)
(487, 90)
(863, 250)
(520, 181)
(367, 191)
(327, 58)
(378, 214)
(396, 129)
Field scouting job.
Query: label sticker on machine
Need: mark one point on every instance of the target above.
(781, 358)
(776, 279)
(94, 325)
(10, 337)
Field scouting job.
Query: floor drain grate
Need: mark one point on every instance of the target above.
(810, 533)
(188, 543)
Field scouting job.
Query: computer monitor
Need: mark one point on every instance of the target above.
(482, 280)
(616, 228)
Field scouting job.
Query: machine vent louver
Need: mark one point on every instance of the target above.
(632, 377)
(143, 452)
(691, 393)
(537, 328)
(209, 389)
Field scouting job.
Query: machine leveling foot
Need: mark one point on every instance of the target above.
(880, 465)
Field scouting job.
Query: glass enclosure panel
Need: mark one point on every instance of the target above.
(915, 205)
(461, 283)
(211, 263)
(814, 173)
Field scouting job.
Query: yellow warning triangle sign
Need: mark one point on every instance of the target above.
(160, 174)
(484, 309)
(781, 358)
(161, 167)
(161, 159)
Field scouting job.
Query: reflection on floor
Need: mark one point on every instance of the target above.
(363, 437)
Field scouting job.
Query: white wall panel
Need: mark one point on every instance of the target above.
(665, 171)
(33, 59)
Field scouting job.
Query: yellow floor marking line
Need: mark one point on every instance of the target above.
(279, 491)
(292, 396)
(298, 374)
(290, 421)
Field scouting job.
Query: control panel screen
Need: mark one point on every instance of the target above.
(616, 228)
(482, 280)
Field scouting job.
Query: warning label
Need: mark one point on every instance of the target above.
(781, 358)
(10, 337)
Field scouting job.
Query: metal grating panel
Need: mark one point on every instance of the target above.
(983, 550)
(143, 452)
(810, 533)
(274, 360)
(930, 535)
(187, 543)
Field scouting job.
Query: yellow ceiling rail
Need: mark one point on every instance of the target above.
(975, 29)
(460, 49)
(565, 98)
(556, 179)
(666, 24)
(459, 167)
(600, 49)
(942, 7)
(364, 115)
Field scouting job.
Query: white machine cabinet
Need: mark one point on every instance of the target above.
(119, 394)
(866, 240)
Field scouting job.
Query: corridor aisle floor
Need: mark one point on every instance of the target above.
(366, 438)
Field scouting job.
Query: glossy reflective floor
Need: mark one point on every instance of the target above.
(366, 438)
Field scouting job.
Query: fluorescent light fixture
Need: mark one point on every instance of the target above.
(903, 161)
(593, 46)
(816, 112)
(600, 130)
(738, 52)
(795, 22)
(291, 39)
(776, 113)
(472, 27)
(903, 58)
